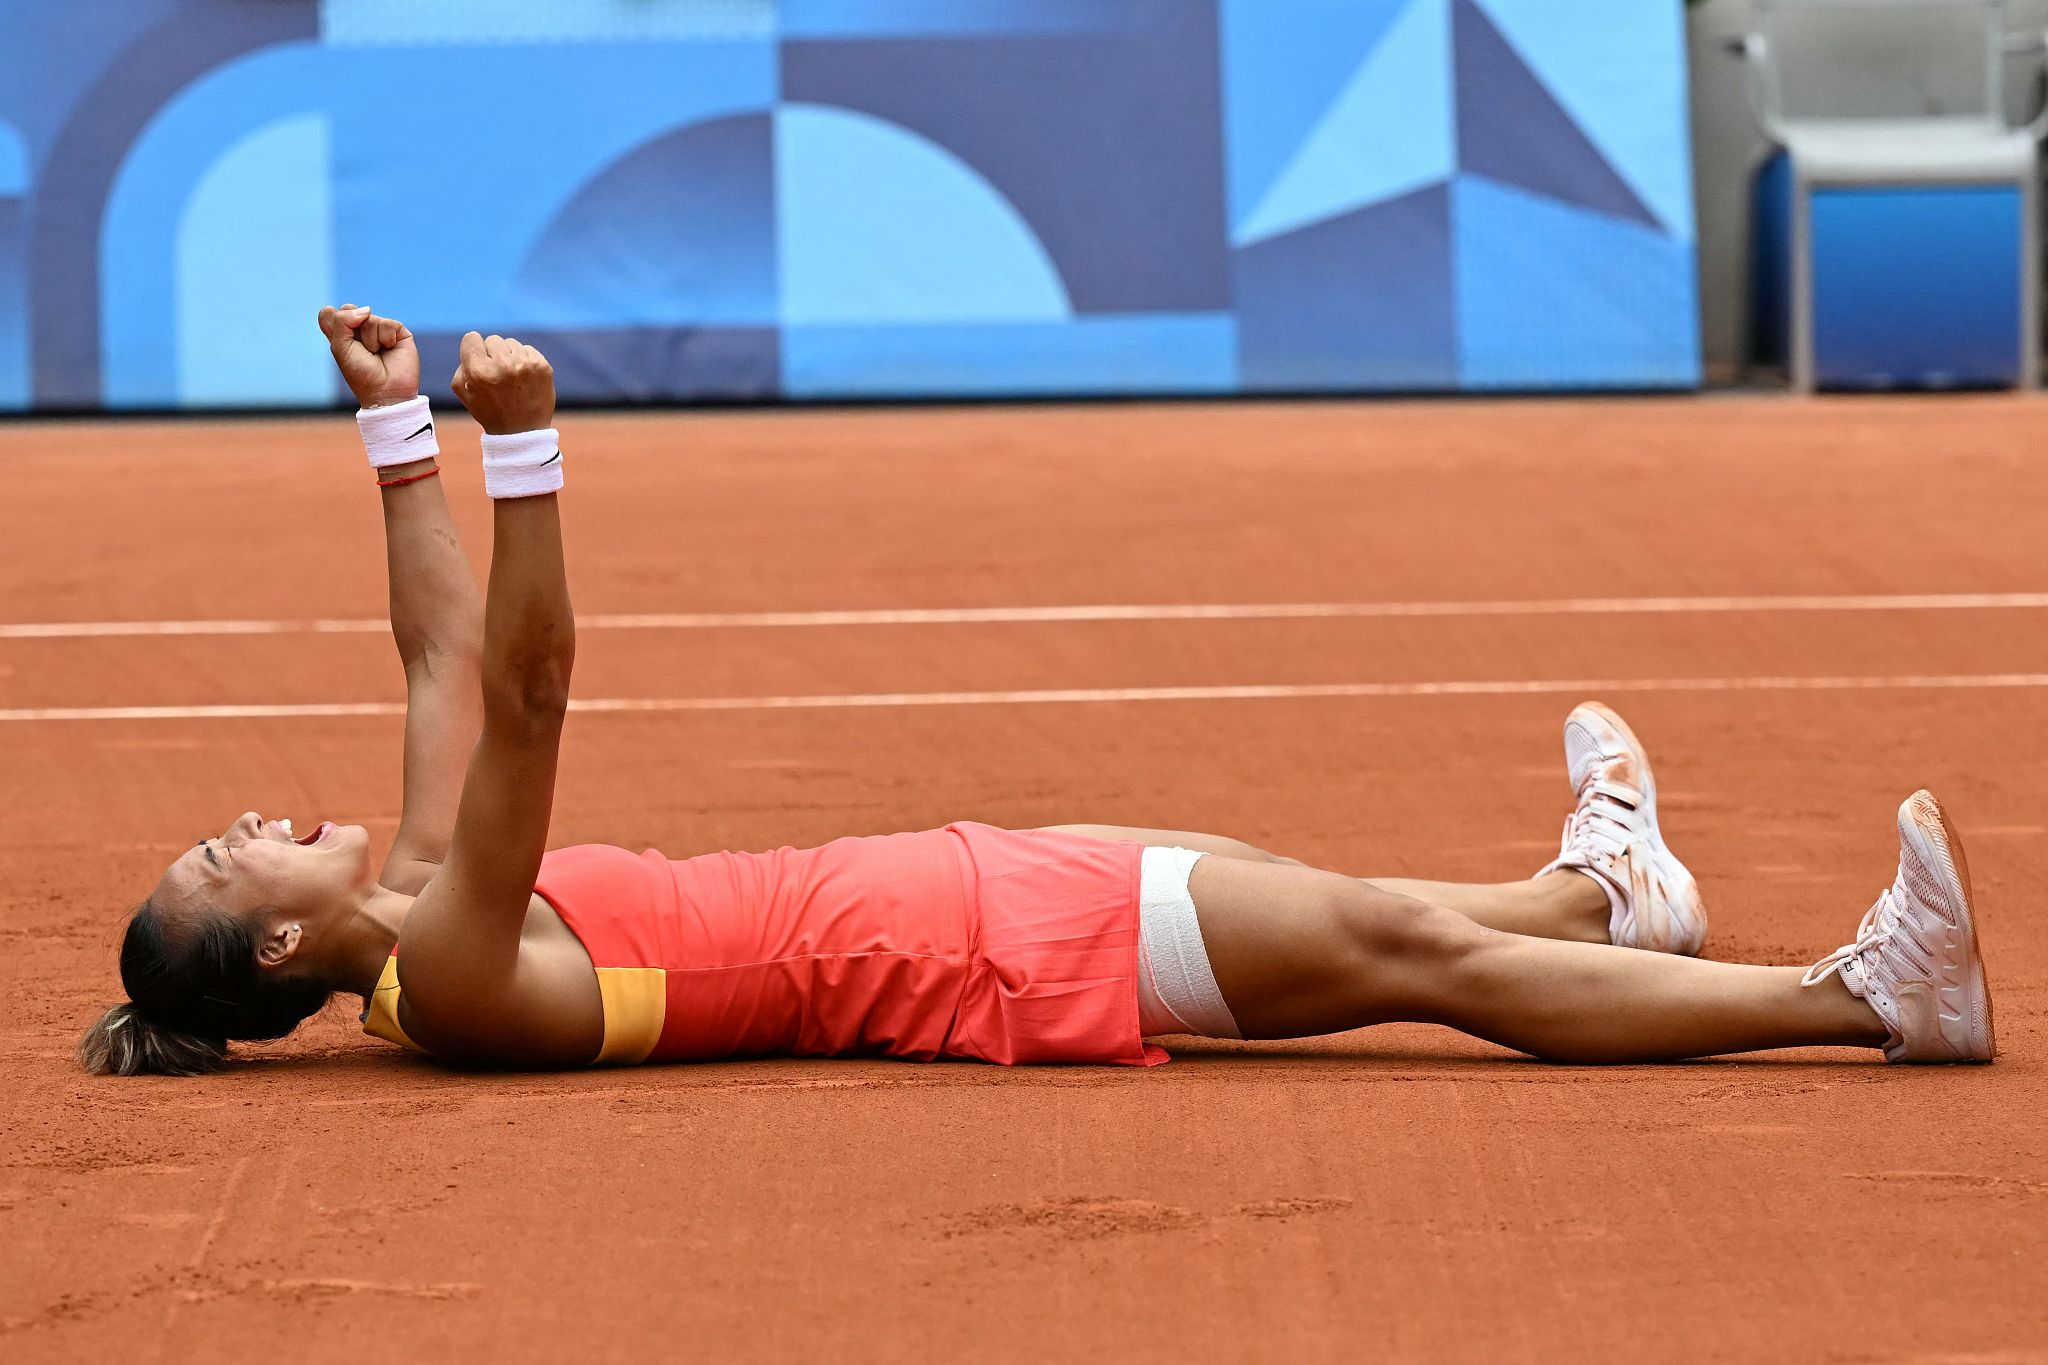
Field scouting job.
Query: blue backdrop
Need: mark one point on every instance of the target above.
(832, 198)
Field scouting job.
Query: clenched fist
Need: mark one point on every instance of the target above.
(375, 355)
(506, 385)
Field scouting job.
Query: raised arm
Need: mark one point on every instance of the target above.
(437, 615)
(466, 983)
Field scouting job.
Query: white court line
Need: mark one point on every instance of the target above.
(947, 616)
(1252, 692)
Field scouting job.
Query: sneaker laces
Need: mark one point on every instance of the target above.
(1603, 830)
(1880, 923)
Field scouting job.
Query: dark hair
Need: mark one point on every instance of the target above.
(189, 992)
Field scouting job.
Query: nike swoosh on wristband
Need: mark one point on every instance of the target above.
(549, 460)
(428, 427)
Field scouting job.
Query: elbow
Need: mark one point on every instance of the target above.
(534, 692)
(454, 654)
(461, 643)
(525, 711)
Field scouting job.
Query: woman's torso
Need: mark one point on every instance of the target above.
(858, 946)
(968, 941)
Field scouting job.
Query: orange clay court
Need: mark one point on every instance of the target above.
(1374, 616)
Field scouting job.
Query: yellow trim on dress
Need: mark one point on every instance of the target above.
(381, 1019)
(635, 1007)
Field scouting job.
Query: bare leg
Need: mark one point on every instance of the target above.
(1563, 905)
(1299, 952)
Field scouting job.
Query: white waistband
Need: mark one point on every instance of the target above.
(1177, 990)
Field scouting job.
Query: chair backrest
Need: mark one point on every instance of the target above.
(1861, 59)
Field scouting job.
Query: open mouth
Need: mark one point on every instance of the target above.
(319, 833)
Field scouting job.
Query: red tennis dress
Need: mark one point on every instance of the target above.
(965, 942)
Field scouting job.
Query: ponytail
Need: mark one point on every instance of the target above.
(189, 992)
(125, 1042)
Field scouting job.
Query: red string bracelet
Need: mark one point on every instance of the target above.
(410, 478)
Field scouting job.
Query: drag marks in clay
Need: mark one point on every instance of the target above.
(195, 1286)
(1089, 1218)
(1958, 1182)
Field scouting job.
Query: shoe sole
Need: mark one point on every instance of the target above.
(1679, 925)
(1925, 824)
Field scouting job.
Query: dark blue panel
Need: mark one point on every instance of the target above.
(1511, 129)
(1916, 286)
(635, 364)
(1108, 143)
(681, 229)
(1361, 301)
(1770, 279)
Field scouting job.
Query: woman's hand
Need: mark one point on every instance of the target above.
(376, 355)
(507, 386)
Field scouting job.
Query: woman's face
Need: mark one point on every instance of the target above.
(304, 885)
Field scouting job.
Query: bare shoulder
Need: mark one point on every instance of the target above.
(541, 1008)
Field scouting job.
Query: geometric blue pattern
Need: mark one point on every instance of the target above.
(761, 199)
(1106, 142)
(1510, 128)
(1386, 130)
(1361, 301)
(1588, 284)
(1624, 115)
(679, 230)
(1092, 354)
(876, 225)
(1278, 99)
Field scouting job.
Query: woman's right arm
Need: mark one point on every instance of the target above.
(465, 985)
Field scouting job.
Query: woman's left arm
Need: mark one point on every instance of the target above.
(437, 614)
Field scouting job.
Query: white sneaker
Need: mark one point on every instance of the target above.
(1612, 836)
(1915, 956)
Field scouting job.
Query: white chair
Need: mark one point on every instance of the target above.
(1923, 268)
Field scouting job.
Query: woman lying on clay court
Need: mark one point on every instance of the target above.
(1069, 944)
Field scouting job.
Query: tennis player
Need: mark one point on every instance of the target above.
(474, 944)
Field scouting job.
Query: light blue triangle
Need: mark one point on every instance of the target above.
(1620, 72)
(1280, 73)
(1387, 132)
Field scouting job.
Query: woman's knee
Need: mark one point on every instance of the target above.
(1387, 924)
(1299, 952)
(1252, 853)
(1411, 950)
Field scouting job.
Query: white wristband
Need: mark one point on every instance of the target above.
(525, 464)
(399, 434)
